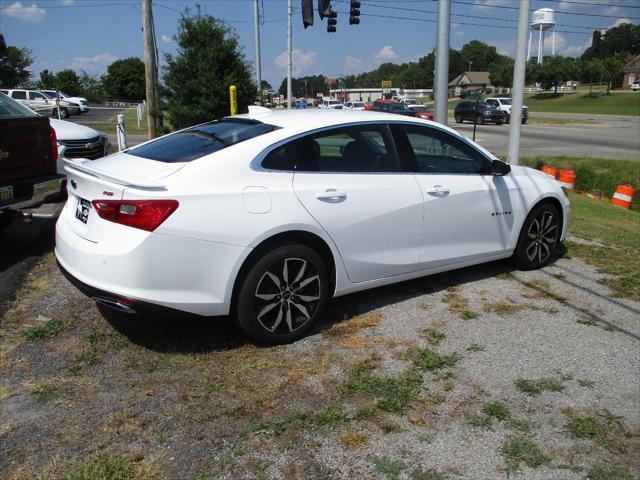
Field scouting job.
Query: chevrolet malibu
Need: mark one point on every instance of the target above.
(267, 215)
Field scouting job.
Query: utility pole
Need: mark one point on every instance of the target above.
(441, 84)
(150, 69)
(517, 92)
(289, 48)
(256, 21)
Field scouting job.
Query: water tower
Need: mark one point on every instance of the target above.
(542, 20)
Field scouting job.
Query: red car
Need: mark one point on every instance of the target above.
(423, 112)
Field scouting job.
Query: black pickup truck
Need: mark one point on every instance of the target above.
(28, 154)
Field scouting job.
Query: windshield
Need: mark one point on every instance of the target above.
(505, 101)
(358, 104)
(201, 140)
(398, 107)
(487, 105)
(334, 102)
(11, 108)
(51, 95)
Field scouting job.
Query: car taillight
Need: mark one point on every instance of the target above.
(54, 143)
(143, 214)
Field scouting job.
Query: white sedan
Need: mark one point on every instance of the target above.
(268, 215)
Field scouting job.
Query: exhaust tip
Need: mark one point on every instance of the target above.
(114, 304)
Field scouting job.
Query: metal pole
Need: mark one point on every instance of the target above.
(256, 21)
(553, 41)
(517, 92)
(149, 69)
(529, 48)
(540, 46)
(289, 48)
(441, 85)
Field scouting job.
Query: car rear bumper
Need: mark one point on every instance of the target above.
(178, 273)
(30, 192)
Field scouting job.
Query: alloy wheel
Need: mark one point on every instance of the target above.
(287, 295)
(541, 237)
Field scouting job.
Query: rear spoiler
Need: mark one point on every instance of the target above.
(85, 166)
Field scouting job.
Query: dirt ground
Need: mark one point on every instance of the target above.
(481, 373)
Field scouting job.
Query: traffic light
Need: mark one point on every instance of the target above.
(324, 6)
(307, 13)
(354, 13)
(332, 21)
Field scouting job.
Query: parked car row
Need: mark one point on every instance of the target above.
(47, 102)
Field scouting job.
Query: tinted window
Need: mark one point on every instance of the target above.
(201, 140)
(439, 152)
(19, 95)
(11, 108)
(36, 96)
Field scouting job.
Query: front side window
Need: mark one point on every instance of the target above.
(36, 96)
(436, 151)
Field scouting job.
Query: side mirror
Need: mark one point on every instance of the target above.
(499, 168)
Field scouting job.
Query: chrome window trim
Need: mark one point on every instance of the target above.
(256, 163)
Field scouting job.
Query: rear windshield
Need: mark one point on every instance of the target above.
(11, 108)
(201, 140)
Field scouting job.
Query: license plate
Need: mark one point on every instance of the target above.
(82, 210)
(6, 193)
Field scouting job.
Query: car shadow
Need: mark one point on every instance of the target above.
(185, 333)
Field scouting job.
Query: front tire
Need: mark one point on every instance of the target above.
(458, 118)
(282, 295)
(479, 120)
(538, 238)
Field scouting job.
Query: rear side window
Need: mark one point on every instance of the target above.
(11, 108)
(19, 95)
(201, 140)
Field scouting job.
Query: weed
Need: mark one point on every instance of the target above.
(520, 449)
(583, 382)
(364, 413)
(237, 411)
(45, 392)
(5, 392)
(103, 466)
(497, 410)
(605, 428)
(425, 438)
(475, 347)
(447, 386)
(571, 467)
(589, 321)
(419, 474)
(43, 330)
(560, 276)
(609, 472)
(566, 377)
(430, 360)
(501, 308)
(435, 398)
(480, 421)
(434, 337)
(353, 440)
(347, 330)
(469, 314)
(536, 387)
(390, 468)
(457, 304)
(524, 426)
(387, 426)
(94, 337)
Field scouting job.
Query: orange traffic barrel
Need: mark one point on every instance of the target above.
(567, 178)
(551, 171)
(623, 196)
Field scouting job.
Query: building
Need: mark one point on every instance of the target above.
(470, 81)
(373, 94)
(631, 72)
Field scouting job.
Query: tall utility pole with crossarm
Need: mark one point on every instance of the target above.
(150, 69)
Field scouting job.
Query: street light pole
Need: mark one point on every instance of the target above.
(517, 92)
(441, 85)
(289, 48)
(256, 21)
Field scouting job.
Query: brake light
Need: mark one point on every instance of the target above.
(54, 143)
(143, 214)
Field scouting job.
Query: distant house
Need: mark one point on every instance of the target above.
(470, 81)
(631, 72)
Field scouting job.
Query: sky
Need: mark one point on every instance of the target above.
(90, 34)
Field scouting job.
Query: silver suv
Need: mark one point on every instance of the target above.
(41, 103)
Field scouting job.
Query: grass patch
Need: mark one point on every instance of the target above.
(497, 410)
(457, 303)
(434, 337)
(536, 387)
(419, 474)
(113, 467)
(130, 121)
(603, 428)
(389, 468)
(501, 308)
(469, 314)
(330, 417)
(586, 383)
(43, 330)
(392, 394)
(347, 332)
(476, 347)
(45, 392)
(520, 449)
(619, 103)
(387, 426)
(429, 360)
(353, 440)
(609, 472)
(589, 321)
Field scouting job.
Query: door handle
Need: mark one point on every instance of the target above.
(438, 191)
(331, 195)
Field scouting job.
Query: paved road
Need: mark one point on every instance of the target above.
(610, 137)
(97, 114)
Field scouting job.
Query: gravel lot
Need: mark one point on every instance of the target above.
(481, 373)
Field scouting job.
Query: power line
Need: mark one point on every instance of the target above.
(578, 2)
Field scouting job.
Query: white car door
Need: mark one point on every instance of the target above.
(353, 185)
(468, 212)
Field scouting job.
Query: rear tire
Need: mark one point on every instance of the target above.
(480, 120)
(458, 118)
(282, 295)
(538, 238)
(524, 120)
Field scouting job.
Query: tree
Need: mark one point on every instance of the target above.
(554, 71)
(613, 72)
(14, 62)
(124, 79)
(501, 72)
(591, 71)
(67, 81)
(47, 80)
(625, 38)
(91, 87)
(208, 61)
(479, 54)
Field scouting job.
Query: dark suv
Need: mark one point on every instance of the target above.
(478, 112)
